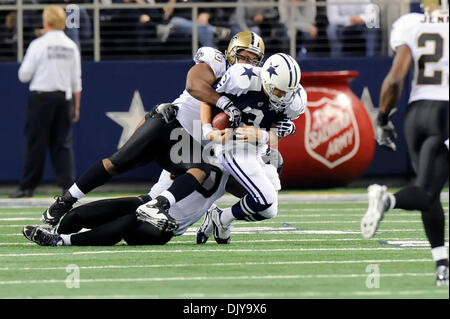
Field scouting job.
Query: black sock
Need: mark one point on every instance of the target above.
(434, 224)
(412, 198)
(95, 176)
(183, 186)
(442, 262)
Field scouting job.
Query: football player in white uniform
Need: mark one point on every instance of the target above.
(152, 139)
(111, 220)
(421, 41)
(107, 222)
(269, 98)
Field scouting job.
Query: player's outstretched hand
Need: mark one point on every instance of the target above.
(386, 135)
(249, 134)
(220, 136)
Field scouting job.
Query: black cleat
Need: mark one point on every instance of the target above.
(21, 193)
(156, 212)
(43, 236)
(61, 206)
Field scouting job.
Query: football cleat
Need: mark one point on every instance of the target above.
(221, 232)
(442, 275)
(61, 206)
(43, 236)
(206, 228)
(378, 205)
(156, 212)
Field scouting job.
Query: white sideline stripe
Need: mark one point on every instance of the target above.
(231, 250)
(190, 241)
(310, 262)
(281, 213)
(266, 277)
(18, 219)
(252, 295)
(272, 222)
(280, 220)
(282, 231)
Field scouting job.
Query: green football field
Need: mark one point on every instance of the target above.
(310, 250)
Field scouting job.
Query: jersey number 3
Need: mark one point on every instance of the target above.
(436, 78)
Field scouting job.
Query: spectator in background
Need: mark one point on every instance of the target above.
(52, 64)
(8, 34)
(181, 23)
(345, 19)
(304, 18)
(76, 33)
(255, 19)
(84, 30)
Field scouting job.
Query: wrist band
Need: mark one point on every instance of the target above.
(382, 118)
(264, 138)
(206, 129)
(223, 102)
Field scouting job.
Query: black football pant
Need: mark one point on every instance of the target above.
(48, 125)
(110, 221)
(156, 140)
(426, 129)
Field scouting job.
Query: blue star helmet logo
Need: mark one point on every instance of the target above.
(272, 70)
(248, 72)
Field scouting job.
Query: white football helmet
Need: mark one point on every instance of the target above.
(282, 72)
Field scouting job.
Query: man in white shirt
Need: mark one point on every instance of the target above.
(52, 66)
(346, 18)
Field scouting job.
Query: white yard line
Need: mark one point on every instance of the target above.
(258, 294)
(203, 278)
(302, 262)
(230, 250)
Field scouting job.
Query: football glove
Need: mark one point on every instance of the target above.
(168, 111)
(386, 135)
(234, 114)
(285, 128)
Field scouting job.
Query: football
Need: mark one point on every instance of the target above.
(221, 121)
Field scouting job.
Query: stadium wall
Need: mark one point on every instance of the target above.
(111, 86)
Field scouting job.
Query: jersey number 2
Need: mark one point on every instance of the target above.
(436, 78)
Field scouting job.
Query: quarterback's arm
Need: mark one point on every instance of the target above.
(199, 81)
(208, 132)
(393, 82)
(205, 113)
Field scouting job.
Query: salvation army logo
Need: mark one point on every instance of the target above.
(331, 130)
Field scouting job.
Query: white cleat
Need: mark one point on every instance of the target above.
(442, 276)
(378, 205)
(155, 213)
(206, 228)
(221, 232)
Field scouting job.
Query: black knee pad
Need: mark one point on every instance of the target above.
(206, 168)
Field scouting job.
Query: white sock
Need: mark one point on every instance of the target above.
(66, 240)
(227, 216)
(169, 197)
(391, 201)
(439, 253)
(76, 192)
